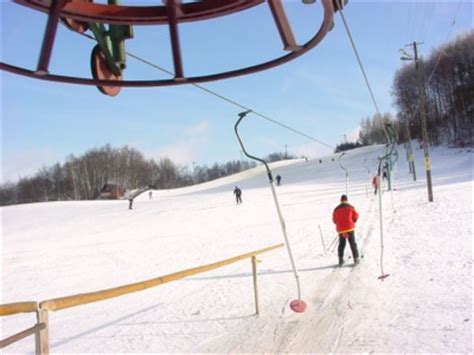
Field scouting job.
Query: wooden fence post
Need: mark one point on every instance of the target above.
(254, 271)
(42, 337)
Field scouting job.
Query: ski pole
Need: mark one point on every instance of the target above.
(322, 239)
(332, 243)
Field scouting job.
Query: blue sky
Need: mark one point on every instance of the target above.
(321, 93)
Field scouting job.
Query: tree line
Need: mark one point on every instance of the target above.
(448, 84)
(82, 177)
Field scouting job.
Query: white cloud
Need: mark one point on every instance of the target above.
(201, 128)
(27, 163)
(188, 147)
(267, 145)
(181, 153)
(353, 135)
(310, 150)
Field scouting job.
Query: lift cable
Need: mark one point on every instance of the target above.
(356, 52)
(211, 92)
(235, 103)
(390, 143)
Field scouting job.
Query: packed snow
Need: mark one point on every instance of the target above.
(64, 248)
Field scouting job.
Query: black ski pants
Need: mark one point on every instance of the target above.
(352, 243)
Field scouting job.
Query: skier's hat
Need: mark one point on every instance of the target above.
(344, 198)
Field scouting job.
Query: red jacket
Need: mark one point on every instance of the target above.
(375, 181)
(345, 216)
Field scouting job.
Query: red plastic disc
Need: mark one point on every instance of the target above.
(298, 306)
(101, 71)
(73, 25)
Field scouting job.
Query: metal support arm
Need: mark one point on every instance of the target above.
(275, 198)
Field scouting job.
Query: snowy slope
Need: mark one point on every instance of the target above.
(425, 305)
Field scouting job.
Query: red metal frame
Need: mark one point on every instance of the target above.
(172, 13)
(48, 42)
(284, 28)
(174, 10)
(143, 15)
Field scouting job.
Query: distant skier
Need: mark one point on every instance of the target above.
(278, 179)
(345, 216)
(130, 203)
(238, 195)
(375, 184)
(150, 195)
(385, 169)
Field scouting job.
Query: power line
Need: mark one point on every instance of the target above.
(441, 52)
(428, 19)
(409, 19)
(419, 19)
(447, 38)
(235, 103)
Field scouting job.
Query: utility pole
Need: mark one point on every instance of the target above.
(286, 151)
(423, 124)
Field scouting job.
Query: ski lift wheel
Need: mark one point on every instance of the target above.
(73, 25)
(298, 306)
(101, 71)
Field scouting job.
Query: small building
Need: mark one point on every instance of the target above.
(112, 192)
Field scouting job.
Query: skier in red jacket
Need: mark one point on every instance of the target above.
(375, 184)
(345, 216)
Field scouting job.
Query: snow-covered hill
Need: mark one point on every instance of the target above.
(62, 248)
